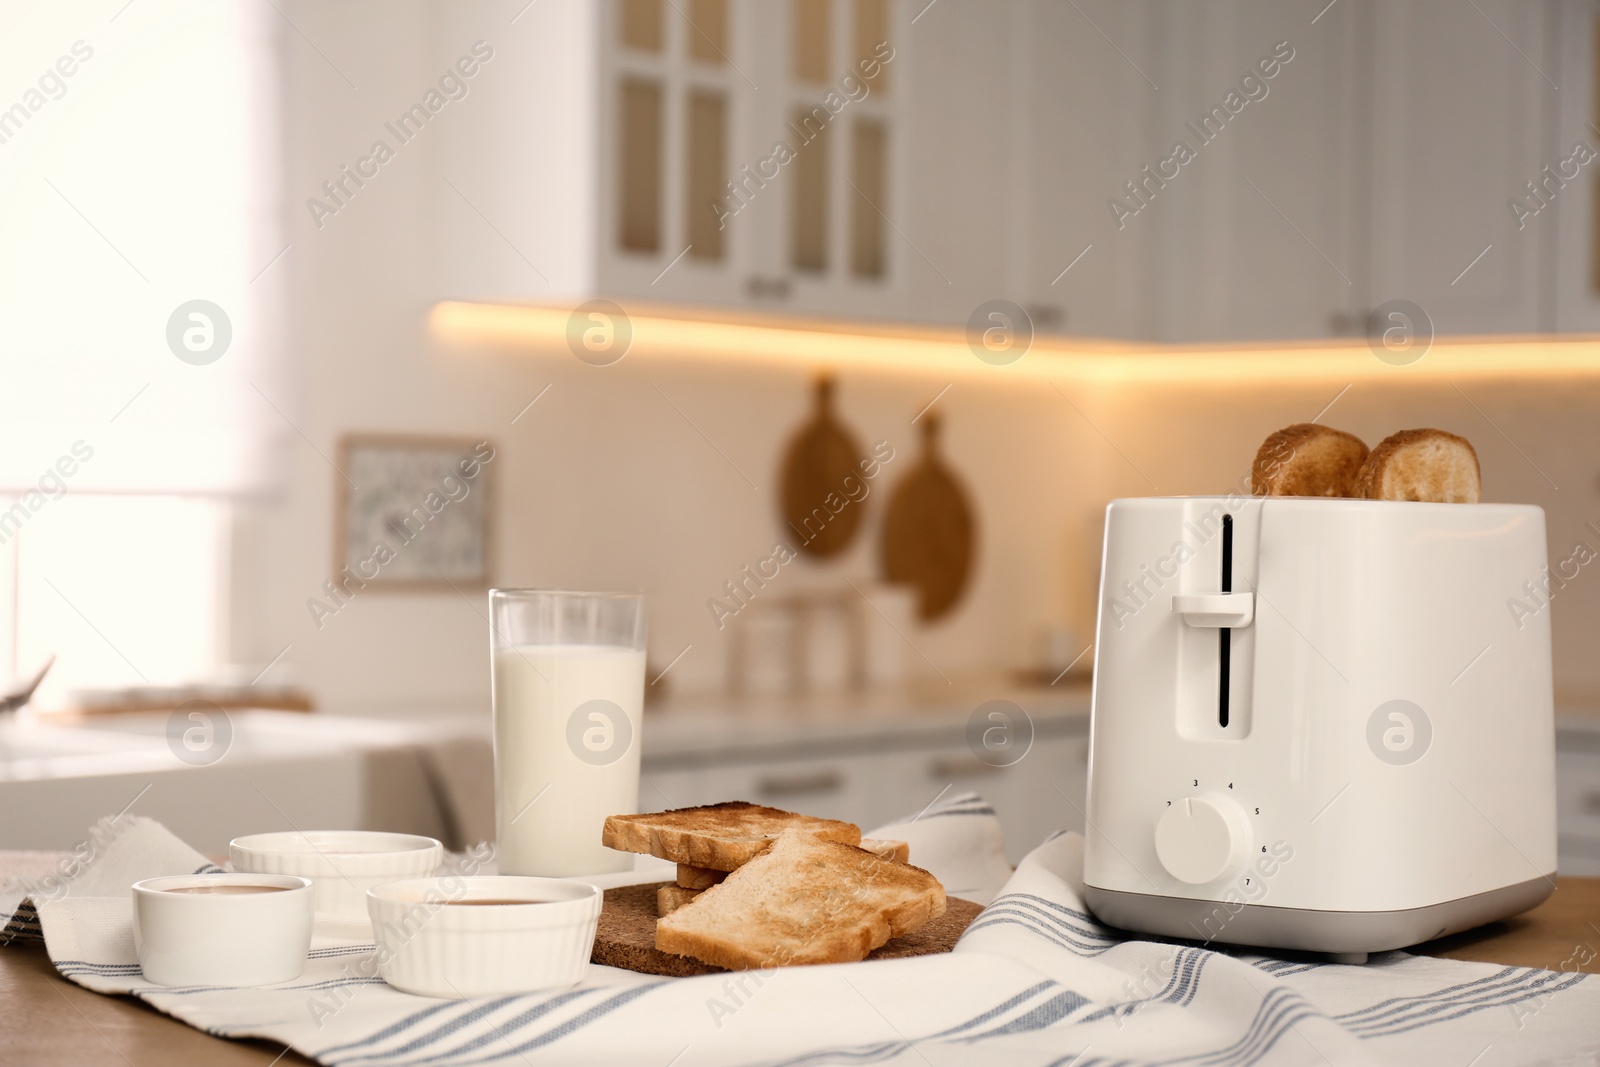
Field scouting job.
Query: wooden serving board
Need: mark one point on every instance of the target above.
(822, 463)
(929, 533)
(626, 936)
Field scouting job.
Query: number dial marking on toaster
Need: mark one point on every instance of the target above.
(1201, 838)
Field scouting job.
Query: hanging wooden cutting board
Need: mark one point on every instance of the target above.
(929, 531)
(819, 458)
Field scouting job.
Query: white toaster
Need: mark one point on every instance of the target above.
(1320, 724)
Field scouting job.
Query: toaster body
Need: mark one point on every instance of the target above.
(1320, 724)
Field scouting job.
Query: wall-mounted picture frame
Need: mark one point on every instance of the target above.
(413, 512)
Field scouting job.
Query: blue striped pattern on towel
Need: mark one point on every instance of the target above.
(1035, 980)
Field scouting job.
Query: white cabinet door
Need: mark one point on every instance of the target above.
(676, 115)
(1578, 801)
(1234, 202)
(681, 788)
(829, 183)
(752, 153)
(1573, 219)
(1378, 163)
(1077, 126)
(830, 787)
(1033, 798)
(1050, 795)
(1038, 795)
(1458, 107)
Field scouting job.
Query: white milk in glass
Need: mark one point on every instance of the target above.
(581, 765)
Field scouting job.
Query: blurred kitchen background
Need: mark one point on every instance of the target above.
(1080, 249)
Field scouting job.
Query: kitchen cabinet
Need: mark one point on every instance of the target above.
(674, 117)
(1253, 238)
(1381, 162)
(665, 181)
(1578, 795)
(1573, 216)
(728, 153)
(1458, 126)
(769, 172)
(1379, 165)
(882, 770)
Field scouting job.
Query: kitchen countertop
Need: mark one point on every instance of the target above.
(49, 1020)
(687, 727)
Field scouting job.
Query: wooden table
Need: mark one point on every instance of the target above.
(49, 1020)
(1562, 934)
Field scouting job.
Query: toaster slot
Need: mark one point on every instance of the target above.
(1213, 618)
(1225, 634)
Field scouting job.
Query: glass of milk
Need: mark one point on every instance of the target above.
(568, 679)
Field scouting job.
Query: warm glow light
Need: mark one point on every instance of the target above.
(663, 333)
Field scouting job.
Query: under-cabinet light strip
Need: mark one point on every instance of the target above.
(659, 333)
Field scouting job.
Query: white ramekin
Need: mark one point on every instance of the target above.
(342, 864)
(431, 946)
(243, 939)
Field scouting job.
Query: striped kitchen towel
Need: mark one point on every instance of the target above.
(118, 851)
(1035, 981)
(958, 839)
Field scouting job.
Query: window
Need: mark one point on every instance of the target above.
(122, 590)
(140, 179)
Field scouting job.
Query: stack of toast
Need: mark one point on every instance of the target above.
(761, 887)
(1423, 465)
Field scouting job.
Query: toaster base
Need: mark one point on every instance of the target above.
(1305, 929)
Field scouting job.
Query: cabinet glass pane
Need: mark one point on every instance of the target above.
(812, 36)
(871, 29)
(869, 175)
(707, 159)
(639, 163)
(708, 30)
(641, 24)
(808, 222)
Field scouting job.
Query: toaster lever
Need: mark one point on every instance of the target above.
(1216, 610)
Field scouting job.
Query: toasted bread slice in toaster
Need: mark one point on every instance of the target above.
(1428, 465)
(1308, 460)
(721, 837)
(804, 900)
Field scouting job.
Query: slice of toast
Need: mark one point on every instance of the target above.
(704, 877)
(803, 901)
(669, 898)
(1308, 460)
(718, 836)
(1428, 465)
(698, 877)
(898, 851)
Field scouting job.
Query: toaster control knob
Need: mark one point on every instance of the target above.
(1200, 839)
